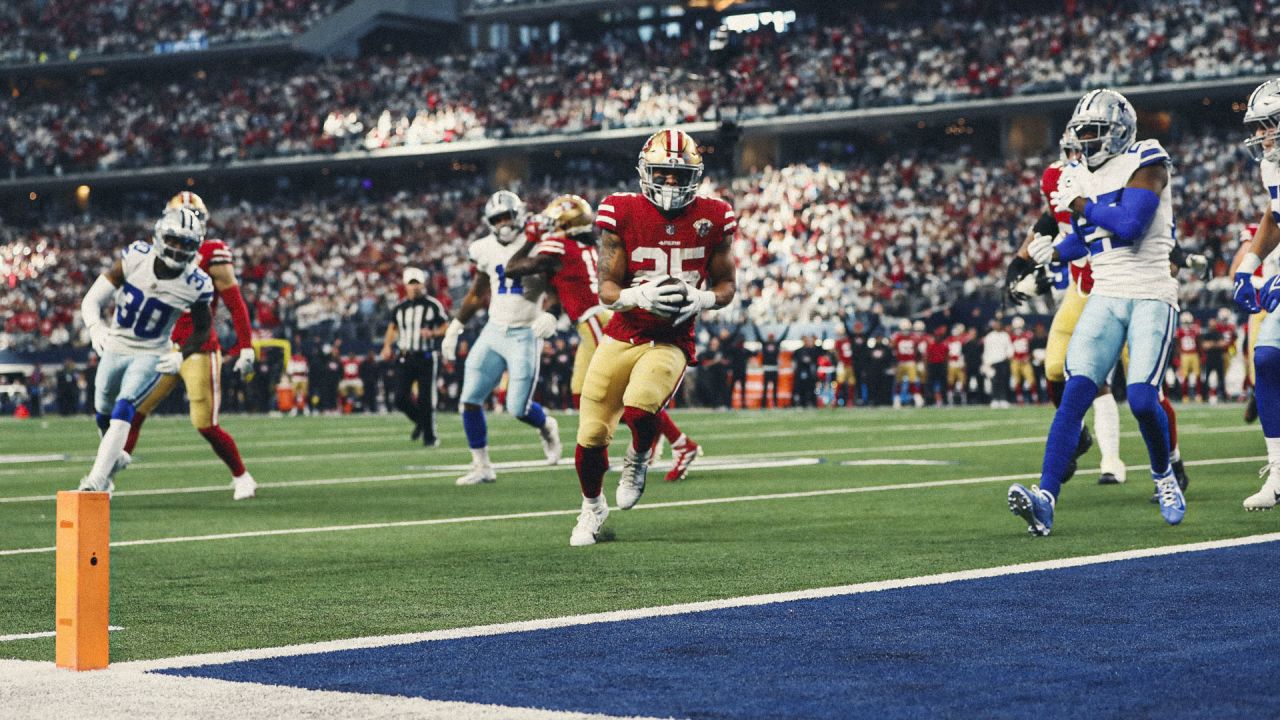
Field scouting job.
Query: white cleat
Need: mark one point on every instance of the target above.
(589, 522)
(1269, 495)
(551, 447)
(88, 484)
(631, 484)
(479, 474)
(245, 487)
(123, 461)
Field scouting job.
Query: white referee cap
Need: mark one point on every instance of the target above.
(412, 275)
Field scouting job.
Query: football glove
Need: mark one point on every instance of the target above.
(98, 335)
(1041, 249)
(652, 295)
(449, 345)
(544, 326)
(1198, 265)
(1071, 186)
(1019, 267)
(1245, 296)
(1269, 295)
(698, 300)
(244, 363)
(169, 363)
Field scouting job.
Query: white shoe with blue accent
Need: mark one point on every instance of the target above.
(1269, 495)
(1033, 505)
(1173, 506)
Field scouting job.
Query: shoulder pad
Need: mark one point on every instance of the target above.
(1149, 152)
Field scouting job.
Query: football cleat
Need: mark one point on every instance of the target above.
(1179, 472)
(550, 433)
(479, 473)
(590, 520)
(244, 487)
(1173, 506)
(631, 484)
(88, 484)
(1269, 495)
(683, 452)
(1033, 505)
(123, 460)
(1113, 472)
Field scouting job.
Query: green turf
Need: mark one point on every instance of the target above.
(203, 596)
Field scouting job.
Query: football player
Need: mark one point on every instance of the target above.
(1188, 338)
(510, 342)
(151, 285)
(1262, 116)
(201, 371)
(1270, 266)
(564, 251)
(1122, 219)
(1021, 372)
(957, 378)
(906, 373)
(665, 257)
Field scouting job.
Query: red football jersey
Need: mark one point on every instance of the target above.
(1189, 339)
(844, 350)
(1227, 330)
(904, 347)
(212, 252)
(955, 350)
(1021, 345)
(350, 369)
(577, 281)
(680, 246)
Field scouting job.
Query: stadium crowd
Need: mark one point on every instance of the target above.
(379, 102)
(43, 30)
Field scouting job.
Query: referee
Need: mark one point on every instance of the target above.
(415, 325)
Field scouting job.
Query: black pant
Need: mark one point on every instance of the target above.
(418, 368)
(1000, 382)
(769, 389)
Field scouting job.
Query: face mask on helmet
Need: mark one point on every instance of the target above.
(177, 237)
(1262, 117)
(1102, 126)
(504, 215)
(670, 187)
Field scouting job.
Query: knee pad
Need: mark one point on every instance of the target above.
(1144, 399)
(123, 410)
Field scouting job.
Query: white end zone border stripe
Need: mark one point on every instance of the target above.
(45, 634)
(695, 607)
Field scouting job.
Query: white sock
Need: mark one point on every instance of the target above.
(594, 502)
(1106, 428)
(1174, 456)
(480, 456)
(109, 448)
(1273, 450)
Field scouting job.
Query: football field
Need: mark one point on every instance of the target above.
(814, 564)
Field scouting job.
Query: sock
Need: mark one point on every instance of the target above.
(1266, 384)
(135, 428)
(644, 427)
(109, 447)
(1172, 418)
(1144, 401)
(224, 446)
(1106, 428)
(1064, 433)
(1055, 391)
(668, 427)
(1273, 450)
(477, 430)
(537, 417)
(480, 455)
(591, 464)
(593, 502)
(577, 401)
(103, 421)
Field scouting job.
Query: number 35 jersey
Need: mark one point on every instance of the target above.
(510, 301)
(656, 245)
(147, 307)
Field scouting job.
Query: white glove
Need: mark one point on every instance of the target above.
(1197, 264)
(1041, 249)
(544, 326)
(449, 345)
(169, 363)
(244, 363)
(653, 296)
(98, 335)
(1072, 184)
(699, 300)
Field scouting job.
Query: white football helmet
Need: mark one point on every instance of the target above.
(1018, 323)
(1263, 115)
(671, 154)
(1108, 124)
(504, 215)
(177, 237)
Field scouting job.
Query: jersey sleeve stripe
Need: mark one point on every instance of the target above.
(730, 225)
(1159, 159)
(606, 220)
(606, 207)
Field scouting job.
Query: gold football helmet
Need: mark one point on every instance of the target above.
(191, 201)
(571, 215)
(670, 168)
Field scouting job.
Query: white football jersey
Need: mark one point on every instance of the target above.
(1271, 181)
(1132, 269)
(512, 301)
(147, 307)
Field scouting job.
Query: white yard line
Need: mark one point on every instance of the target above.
(45, 634)
(574, 511)
(694, 607)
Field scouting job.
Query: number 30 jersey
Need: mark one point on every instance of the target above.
(656, 245)
(510, 303)
(147, 307)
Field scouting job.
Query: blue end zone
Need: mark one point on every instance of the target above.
(1189, 635)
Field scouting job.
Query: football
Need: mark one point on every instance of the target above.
(682, 302)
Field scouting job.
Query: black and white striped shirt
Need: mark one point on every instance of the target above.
(411, 316)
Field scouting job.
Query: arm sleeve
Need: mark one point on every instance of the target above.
(94, 300)
(239, 316)
(1071, 248)
(1127, 219)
